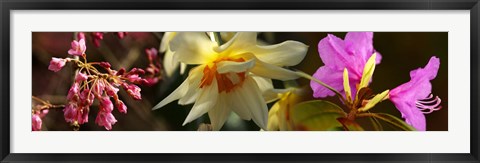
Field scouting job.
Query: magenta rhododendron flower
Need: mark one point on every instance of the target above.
(337, 54)
(414, 98)
(56, 64)
(78, 48)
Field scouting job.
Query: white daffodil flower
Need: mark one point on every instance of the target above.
(231, 77)
(170, 64)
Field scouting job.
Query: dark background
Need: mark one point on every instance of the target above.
(401, 52)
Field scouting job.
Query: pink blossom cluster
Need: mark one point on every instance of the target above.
(91, 83)
(153, 70)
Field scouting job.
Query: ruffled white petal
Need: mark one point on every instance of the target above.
(219, 113)
(238, 104)
(255, 103)
(205, 101)
(170, 63)
(193, 48)
(176, 94)
(231, 66)
(241, 42)
(288, 53)
(167, 37)
(193, 91)
(266, 87)
(274, 72)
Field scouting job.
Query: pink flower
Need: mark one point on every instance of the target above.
(414, 99)
(151, 54)
(99, 87)
(97, 36)
(121, 34)
(80, 35)
(56, 64)
(36, 122)
(133, 90)
(81, 77)
(73, 92)
(151, 81)
(110, 90)
(106, 104)
(82, 115)
(105, 65)
(78, 48)
(70, 112)
(337, 54)
(105, 119)
(122, 108)
(134, 78)
(43, 113)
(86, 97)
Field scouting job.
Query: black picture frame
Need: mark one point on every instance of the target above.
(9, 5)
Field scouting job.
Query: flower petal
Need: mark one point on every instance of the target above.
(266, 87)
(333, 78)
(219, 113)
(274, 72)
(205, 102)
(288, 53)
(413, 116)
(167, 37)
(429, 71)
(176, 94)
(194, 79)
(231, 66)
(255, 103)
(273, 124)
(360, 44)
(239, 105)
(170, 64)
(332, 52)
(193, 48)
(241, 41)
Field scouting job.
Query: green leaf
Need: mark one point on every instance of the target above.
(377, 126)
(316, 115)
(389, 119)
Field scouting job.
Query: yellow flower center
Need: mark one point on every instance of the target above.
(226, 81)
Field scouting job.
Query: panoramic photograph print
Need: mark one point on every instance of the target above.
(239, 81)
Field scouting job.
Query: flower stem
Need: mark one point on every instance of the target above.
(307, 76)
(39, 100)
